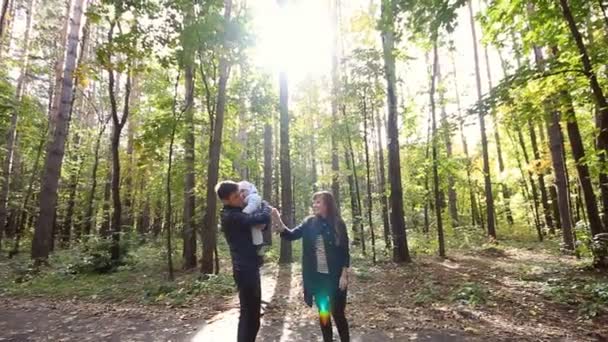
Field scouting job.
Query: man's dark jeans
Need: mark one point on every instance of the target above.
(250, 297)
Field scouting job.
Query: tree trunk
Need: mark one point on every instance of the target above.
(59, 64)
(447, 135)
(506, 192)
(286, 190)
(358, 213)
(89, 217)
(169, 208)
(599, 97)
(41, 242)
(118, 124)
(129, 208)
(369, 180)
(541, 179)
(209, 234)
(66, 231)
(382, 181)
(6, 178)
(578, 152)
(434, 77)
(400, 247)
(189, 231)
(427, 155)
(484, 139)
(267, 191)
(561, 182)
(474, 210)
(21, 222)
(3, 15)
(353, 201)
(532, 183)
(335, 160)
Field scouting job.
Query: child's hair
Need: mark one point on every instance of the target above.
(225, 188)
(247, 187)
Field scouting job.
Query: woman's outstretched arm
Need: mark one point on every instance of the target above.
(286, 233)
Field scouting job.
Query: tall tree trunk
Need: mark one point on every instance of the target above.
(66, 231)
(41, 242)
(169, 208)
(434, 77)
(353, 201)
(267, 191)
(541, 178)
(55, 101)
(209, 235)
(382, 181)
(3, 15)
(427, 192)
(286, 189)
(474, 210)
(584, 177)
(358, 213)
(189, 231)
(484, 139)
(6, 178)
(89, 217)
(400, 247)
(447, 136)
(369, 180)
(129, 207)
(335, 160)
(599, 97)
(21, 222)
(561, 181)
(118, 124)
(506, 192)
(532, 183)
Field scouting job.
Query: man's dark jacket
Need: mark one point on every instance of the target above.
(237, 230)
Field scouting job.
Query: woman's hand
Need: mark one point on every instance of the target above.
(275, 214)
(277, 223)
(343, 284)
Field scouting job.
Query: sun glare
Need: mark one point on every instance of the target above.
(296, 38)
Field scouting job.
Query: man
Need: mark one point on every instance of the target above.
(245, 266)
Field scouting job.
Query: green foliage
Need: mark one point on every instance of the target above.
(589, 296)
(184, 291)
(93, 256)
(470, 294)
(429, 293)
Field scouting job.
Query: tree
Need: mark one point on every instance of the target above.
(335, 160)
(209, 235)
(484, 140)
(41, 243)
(598, 95)
(434, 77)
(12, 131)
(189, 232)
(400, 248)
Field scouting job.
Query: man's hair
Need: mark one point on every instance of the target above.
(225, 188)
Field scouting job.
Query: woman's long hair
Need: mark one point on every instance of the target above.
(332, 213)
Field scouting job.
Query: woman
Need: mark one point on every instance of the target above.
(325, 261)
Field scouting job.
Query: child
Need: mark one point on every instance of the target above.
(253, 203)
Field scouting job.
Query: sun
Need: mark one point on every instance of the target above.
(296, 38)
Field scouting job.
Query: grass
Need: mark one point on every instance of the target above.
(141, 279)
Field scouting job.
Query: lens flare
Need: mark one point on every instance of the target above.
(324, 311)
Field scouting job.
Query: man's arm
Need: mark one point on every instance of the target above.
(247, 220)
(254, 202)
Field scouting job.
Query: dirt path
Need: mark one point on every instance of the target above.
(287, 319)
(385, 303)
(38, 320)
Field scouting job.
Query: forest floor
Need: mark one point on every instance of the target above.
(496, 294)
